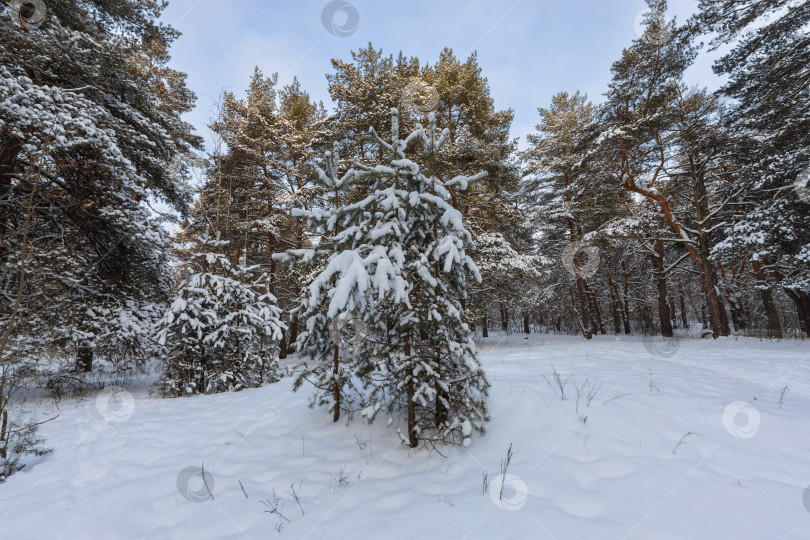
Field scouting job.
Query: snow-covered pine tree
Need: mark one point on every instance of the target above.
(328, 359)
(643, 138)
(399, 268)
(364, 91)
(90, 132)
(768, 41)
(259, 173)
(220, 333)
(561, 194)
(18, 441)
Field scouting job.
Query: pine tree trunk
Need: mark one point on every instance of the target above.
(735, 317)
(526, 328)
(625, 300)
(84, 359)
(661, 282)
(717, 310)
(201, 380)
(441, 395)
(614, 306)
(293, 333)
(802, 302)
(673, 315)
(745, 318)
(485, 326)
(598, 324)
(504, 318)
(684, 317)
(409, 393)
(336, 384)
(282, 345)
(774, 326)
(3, 428)
(413, 440)
(646, 322)
(587, 332)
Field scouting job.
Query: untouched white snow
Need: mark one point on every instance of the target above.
(608, 470)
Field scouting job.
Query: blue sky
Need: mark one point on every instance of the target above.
(528, 49)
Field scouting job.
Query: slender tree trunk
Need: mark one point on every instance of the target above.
(717, 310)
(684, 317)
(526, 328)
(504, 318)
(597, 312)
(673, 315)
(201, 380)
(774, 330)
(409, 393)
(661, 283)
(587, 331)
(485, 326)
(735, 316)
(282, 345)
(336, 382)
(441, 395)
(617, 319)
(615, 306)
(3, 427)
(293, 333)
(625, 300)
(802, 302)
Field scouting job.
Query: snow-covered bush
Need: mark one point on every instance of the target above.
(220, 334)
(15, 442)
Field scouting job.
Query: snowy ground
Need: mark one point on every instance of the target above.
(608, 469)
